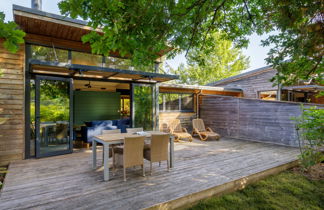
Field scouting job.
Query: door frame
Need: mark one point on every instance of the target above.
(38, 78)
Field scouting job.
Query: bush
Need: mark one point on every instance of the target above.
(310, 127)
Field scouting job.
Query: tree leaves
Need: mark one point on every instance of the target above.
(217, 60)
(143, 29)
(13, 36)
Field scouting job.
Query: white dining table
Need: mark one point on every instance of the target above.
(110, 139)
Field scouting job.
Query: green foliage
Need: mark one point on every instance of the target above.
(13, 36)
(54, 101)
(144, 29)
(300, 39)
(49, 54)
(311, 127)
(213, 62)
(3, 171)
(286, 190)
(143, 107)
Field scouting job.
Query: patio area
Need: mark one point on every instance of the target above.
(200, 169)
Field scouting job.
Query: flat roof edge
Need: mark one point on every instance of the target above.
(200, 87)
(97, 68)
(49, 15)
(252, 72)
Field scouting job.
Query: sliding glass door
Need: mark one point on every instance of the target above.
(53, 116)
(144, 112)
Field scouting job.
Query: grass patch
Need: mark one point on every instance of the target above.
(3, 172)
(287, 190)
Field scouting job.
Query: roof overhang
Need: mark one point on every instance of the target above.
(198, 88)
(95, 72)
(41, 26)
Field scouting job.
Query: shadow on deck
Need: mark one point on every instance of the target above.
(201, 169)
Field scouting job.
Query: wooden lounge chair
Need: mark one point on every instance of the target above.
(178, 131)
(203, 132)
(132, 153)
(133, 130)
(158, 150)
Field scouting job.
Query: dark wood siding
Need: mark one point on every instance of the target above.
(251, 119)
(11, 105)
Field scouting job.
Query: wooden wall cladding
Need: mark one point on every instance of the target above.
(11, 105)
(253, 84)
(184, 117)
(251, 119)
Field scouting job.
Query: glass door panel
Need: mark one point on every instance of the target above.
(143, 106)
(53, 116)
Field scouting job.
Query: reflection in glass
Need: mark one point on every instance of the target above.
(54, 116)
(86, 59)
(118, 63)
(187, 102)
(171, 102)
(32, 119)
(143, 107)
(49, 54)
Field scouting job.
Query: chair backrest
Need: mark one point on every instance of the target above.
(133, 130)
(133, 151)
(164, 127)
(198, 124)
(159, 147)
(114, 131)
(175, 126)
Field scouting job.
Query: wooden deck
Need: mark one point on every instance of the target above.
(68, 181)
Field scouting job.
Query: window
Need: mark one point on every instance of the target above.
(268, 95)
(86, 59)
(187, 102)
(118, 63)
(125, 106)
(49, 54)
(170, 102)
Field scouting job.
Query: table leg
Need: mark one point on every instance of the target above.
(106, 161)
(94, 154)
(171, 151)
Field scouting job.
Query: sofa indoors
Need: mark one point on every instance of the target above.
(94, 128)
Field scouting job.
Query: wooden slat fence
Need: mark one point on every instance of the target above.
(252, 119)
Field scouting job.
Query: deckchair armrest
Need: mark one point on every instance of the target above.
(209, 129)
(184, 130)
(171, 130)
(195, 130)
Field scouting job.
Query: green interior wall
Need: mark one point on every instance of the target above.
(91, 105)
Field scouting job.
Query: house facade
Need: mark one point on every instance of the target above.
(256, 84)
(53, 91)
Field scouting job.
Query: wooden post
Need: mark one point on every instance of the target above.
(156, 66)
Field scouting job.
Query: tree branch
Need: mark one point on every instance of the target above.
(194, 31)
(213, 20)
(249, 13)
(315, 67)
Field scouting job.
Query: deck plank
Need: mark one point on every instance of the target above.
(68, 181)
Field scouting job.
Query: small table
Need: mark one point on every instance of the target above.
(110, 139)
